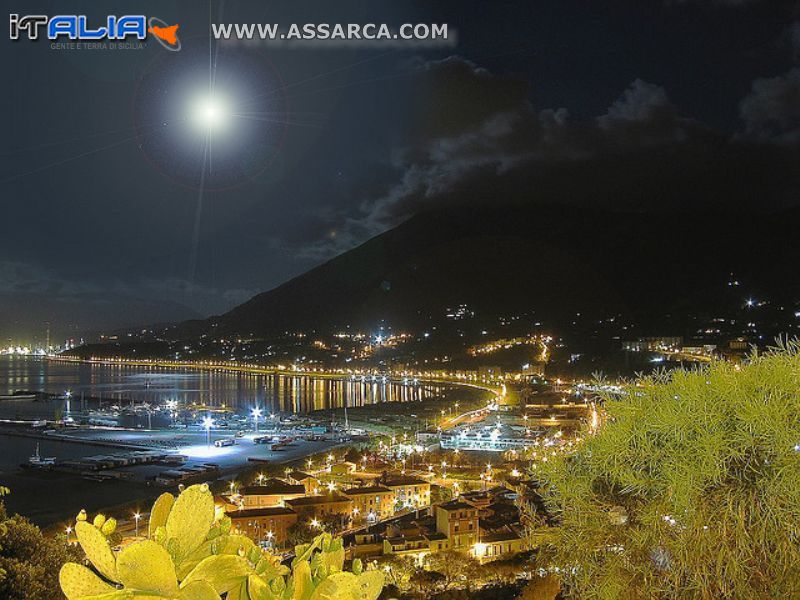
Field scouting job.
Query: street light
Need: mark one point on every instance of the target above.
(256, 412)
(171, 406)
(208, 422)
(136, 517)
(69, 530)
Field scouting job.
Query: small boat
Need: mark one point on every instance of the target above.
(39, 461)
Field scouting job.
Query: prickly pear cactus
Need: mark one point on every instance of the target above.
(190, 554)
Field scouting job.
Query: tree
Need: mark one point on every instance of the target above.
(455, 566)
(352, 455)
(29, 561)
(440, 494)
(691, 489)
(398, 569)
(541, 588)
(427, 581)
(499, 572)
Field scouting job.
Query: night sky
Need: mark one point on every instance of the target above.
(104, 222)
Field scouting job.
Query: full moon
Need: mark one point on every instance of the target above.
(210, 113)
(214, 129)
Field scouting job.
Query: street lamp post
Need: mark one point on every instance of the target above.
(256, 412)
(208, 422)
(136, 517)
(172, 405)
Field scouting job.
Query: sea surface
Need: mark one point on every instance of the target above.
(124, 384)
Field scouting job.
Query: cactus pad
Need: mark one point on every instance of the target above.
(77, 582)
(303, 586)
(223, 571)
(95, 544)
(339, 586)
(146, 566)
(109, 527)
(182, 561)
(190, 519)
(369, 585)
(198, 590)
(159, 513)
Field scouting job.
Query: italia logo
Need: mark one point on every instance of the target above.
(166, 35)
(77, 27)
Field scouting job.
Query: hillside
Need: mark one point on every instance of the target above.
(553, 262)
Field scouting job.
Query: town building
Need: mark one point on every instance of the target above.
(309, 482)
(371, 503)
(458, 522)
(266, 526)
(271, 492)
(410, 492)
(317, 507)
(504, 542)
(484, 524)
(653, 344)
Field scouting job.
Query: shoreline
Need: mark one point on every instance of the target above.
(253, 369)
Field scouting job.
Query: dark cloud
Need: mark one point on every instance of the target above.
(794, 39)
(715, 2)
(644, 116)
(469, 134)
(474, 129)
(771, 112)
(457, 95)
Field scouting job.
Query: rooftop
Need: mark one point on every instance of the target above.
(503, 534)
(455, 505)
(312, 500)
(401, 480)
(272, 487)
(367, 490)
(272, 511)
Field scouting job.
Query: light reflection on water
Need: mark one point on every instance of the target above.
(241, 391)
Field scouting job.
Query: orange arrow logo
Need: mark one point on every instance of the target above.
(168, 34)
